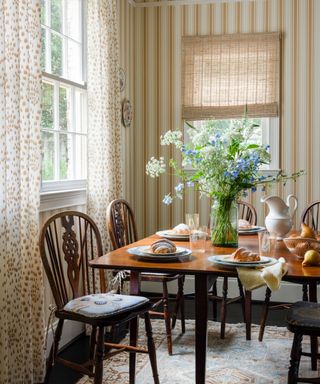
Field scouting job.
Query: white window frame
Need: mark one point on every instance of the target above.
(64, 193)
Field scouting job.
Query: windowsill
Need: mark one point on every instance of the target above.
(62, 199)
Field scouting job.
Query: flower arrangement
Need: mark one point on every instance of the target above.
(226, 164)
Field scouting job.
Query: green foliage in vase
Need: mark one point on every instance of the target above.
(226, 161)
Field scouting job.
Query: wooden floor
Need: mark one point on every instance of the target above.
(77, 349)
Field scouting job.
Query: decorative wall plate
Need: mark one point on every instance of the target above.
(127, 113)
(122, 79)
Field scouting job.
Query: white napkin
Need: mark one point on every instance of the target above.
(252, 278)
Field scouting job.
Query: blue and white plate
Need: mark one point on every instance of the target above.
(142, 252)
(250, 231)
(227, 261)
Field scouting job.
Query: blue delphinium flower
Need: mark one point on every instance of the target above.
(167, 199)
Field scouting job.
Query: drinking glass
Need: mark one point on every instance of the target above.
(198, 238)
(192, 220)
(267, 243)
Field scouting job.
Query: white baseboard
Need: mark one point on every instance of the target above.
(71, 329)
(288, 292)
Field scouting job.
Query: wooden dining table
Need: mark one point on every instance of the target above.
(198, 265)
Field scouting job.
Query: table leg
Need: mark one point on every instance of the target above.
(248, 313)
(201, 304)
(314, 339)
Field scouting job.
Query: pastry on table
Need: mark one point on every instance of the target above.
(181, 229)
(244, 254)
(244, 224)
(163, 246)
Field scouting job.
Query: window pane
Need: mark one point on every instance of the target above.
(56, 54)
(80, 157)
(43, 49)
(64, 108)
(74, 61)
(47, 150)
(65, 145)
(47, 106)
(74, 19)
(80, 123)
(56, 15)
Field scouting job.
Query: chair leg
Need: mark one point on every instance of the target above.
(214, 302)
(167, 316)
(295, 359)
(264, 313)
(242, 300)
(179, 305)
(176, 307)
(224, 307)
(305, 292)
(93, 343)
(132, 356)
(54, 350)
(98, 367)
(182, 316)
(314, 352)
(151, 349)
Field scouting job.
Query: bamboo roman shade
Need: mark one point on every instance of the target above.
(224, 76)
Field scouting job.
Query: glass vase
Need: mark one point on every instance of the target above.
(224, 223)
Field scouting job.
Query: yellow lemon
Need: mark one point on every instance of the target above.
(311, 257)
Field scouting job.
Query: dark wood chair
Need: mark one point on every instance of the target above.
(122, 230)
(247, 212)
(303, 319)
(68, 241)
(311, 217)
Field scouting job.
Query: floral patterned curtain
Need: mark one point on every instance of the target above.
(21, 292)
(104, 164)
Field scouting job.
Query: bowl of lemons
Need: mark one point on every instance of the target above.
(307, 241)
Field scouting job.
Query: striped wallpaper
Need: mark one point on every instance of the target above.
(150, 44)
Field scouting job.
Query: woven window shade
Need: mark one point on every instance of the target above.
(226, 75)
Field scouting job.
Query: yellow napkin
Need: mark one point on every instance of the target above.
(252, 278)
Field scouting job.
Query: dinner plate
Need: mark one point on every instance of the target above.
(226, 260)
(249, 231)
(158, 257)
(146, 250)
(169, 234)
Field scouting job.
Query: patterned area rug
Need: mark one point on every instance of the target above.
(230, 361)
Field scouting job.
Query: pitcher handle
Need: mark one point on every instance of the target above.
(295, 204)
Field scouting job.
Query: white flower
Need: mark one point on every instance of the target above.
(155, 167)
(167, 199)
(172, 137)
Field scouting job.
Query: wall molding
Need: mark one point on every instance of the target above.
(162, 3)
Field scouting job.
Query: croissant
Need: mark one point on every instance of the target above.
(181, 229)
(244, 254)
(163, 246)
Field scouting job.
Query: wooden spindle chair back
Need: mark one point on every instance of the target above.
(246, 211)
(68, 241)
(311, 216)
(121, 223)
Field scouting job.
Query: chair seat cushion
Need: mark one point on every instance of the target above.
(304, 314)
(104, 304)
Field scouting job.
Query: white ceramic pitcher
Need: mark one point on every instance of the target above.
(279, 219)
